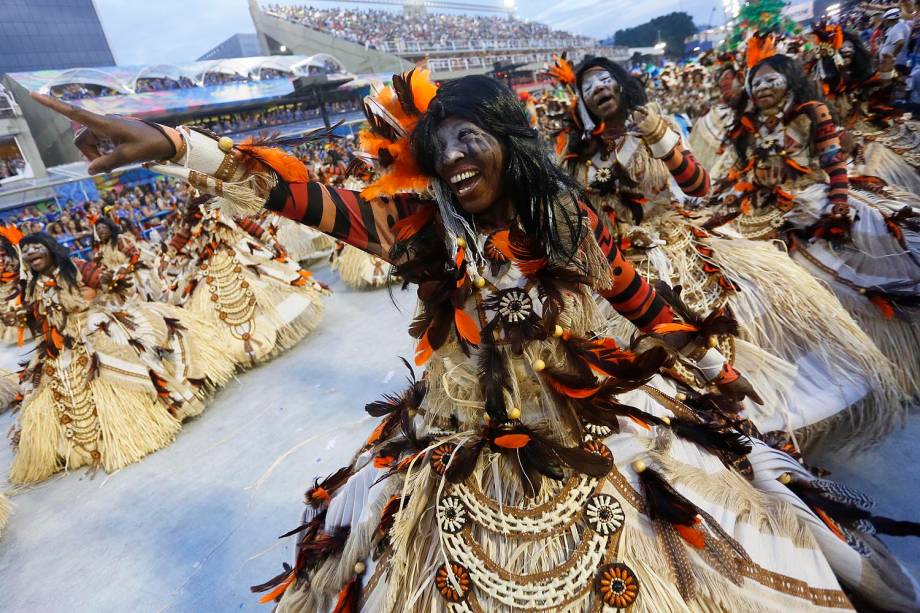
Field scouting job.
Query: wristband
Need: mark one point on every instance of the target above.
(665, 145)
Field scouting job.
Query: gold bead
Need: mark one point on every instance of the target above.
(360, 567)
(639, 466)
(558, 331)
(666, 420)
(225, 144)
(539, 365)
(713, 341)
(514, 413)
(681, 396)
(862, 290)
(479, 282)
(783, 152)
(461, 242)
(785, 478)
(486, 418)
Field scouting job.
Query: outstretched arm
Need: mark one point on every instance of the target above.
(666, 145)
(279, 181)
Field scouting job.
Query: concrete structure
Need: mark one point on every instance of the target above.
(238, 45)
(448, 60)
(275, 33)
(45, 34)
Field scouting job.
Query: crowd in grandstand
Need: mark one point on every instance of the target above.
(79, 91)
(160, 84)
(11, 167)
(371, 27)
(268, 118)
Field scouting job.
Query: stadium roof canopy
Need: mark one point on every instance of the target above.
(202, 98)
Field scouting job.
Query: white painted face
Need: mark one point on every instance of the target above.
(768, 87)
(601, 92)
(846, 52)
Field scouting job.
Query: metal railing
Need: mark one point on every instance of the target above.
(479, 62)
(408, 47)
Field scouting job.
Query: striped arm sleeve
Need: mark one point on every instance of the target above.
(90, 273)
(689, 174)
(830, 154)
(343, 214)
(630, 295)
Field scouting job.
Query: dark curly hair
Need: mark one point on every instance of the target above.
(59, 255)
(542, 194)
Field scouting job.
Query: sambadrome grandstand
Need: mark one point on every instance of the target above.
(316, 66)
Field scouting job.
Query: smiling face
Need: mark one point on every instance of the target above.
(602, 93)
(768, 87)
(37, 257)
(472, 162)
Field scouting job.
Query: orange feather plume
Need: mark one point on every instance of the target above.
(512, 441)
(288, 167)
(407, 227)
(278, 591)
(692, 535)
(423, 350)
(11, 233)
(402, 174)
(759, 49)
(563, 71)
(466, 327)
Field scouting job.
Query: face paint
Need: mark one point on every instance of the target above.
(768, 81)
(601, 93)
(768, 88)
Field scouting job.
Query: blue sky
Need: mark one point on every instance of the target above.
(178, 31)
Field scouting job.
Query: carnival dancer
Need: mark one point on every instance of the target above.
(790, 181)
(708, 139)
(12, 281)
(127, 269)
(534, 465)
(100, 389)
(257, 301)
(881, 143)
(803, 352)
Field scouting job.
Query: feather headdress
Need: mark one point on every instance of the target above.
(392, 114)
(11, 233)
(562, 70)
(760, 47)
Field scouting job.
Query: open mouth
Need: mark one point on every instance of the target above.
(603, 100)
(465, 181)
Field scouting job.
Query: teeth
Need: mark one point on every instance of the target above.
(469, 174)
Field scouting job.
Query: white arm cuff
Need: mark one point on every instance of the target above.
(666, 145)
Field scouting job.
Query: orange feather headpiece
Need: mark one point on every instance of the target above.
(11, 233)
(563, 70)
(759, 48)
(392, 115)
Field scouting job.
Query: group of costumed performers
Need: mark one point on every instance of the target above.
(578, 440)
(136, 339)
(805, 355)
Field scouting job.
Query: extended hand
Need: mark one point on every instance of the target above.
(134, 140)
(647, 120)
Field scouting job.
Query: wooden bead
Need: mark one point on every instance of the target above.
(639, 466)
(225, 144)
(479, 282)
(461, 242)
(360, 567)
(713, 342)
(785, 478)
(514, 413)
(666, 420)
(486, 418)
(558, 331)
(539, 365)
(681, 396)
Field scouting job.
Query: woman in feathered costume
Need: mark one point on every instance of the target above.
(535, 464)
(880, 142)
(105, 385)
(789, 180)
(126, 270)
(257, 301)
(800, 348)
